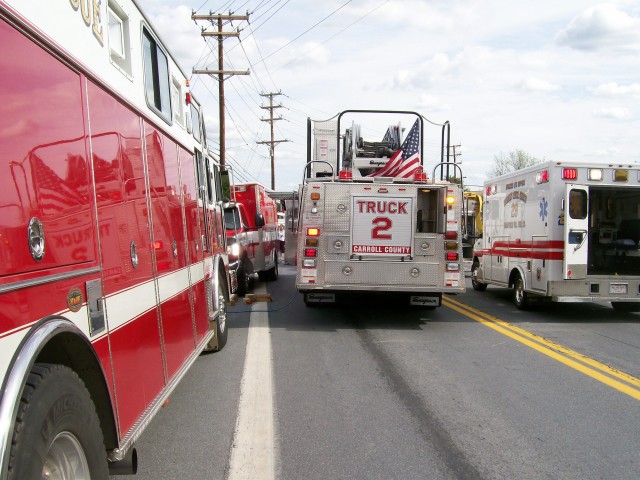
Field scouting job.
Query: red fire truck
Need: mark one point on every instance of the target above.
(114, 274)
(251, 224)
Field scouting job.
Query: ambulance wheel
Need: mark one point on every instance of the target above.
(520, 297)
(243, 282)
(626, 306)
(57, 432)
(477, 286)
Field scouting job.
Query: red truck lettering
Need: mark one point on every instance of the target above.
(393, 207)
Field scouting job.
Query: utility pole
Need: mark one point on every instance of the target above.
(221, 72)
(273, 142)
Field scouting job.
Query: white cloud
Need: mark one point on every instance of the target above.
(612, 89)
(538, 85)
(616, 113)
(602, 27)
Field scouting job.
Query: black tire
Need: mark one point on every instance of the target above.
(626, 306)
(520, 297)
(270, 275)
(57, 430)
(477, 286)
(221, 324)
(243, 281)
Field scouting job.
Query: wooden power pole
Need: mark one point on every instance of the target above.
(221, 72)
(273, 142)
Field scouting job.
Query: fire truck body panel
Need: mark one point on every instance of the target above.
(113, 254)
(348, 258)
(569, 230)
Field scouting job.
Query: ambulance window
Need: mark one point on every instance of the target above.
(578, 204)
(156, 77)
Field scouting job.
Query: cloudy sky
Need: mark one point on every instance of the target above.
(559, 80)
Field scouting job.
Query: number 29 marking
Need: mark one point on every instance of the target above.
(381, 224)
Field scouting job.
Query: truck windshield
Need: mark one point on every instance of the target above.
(232, 219)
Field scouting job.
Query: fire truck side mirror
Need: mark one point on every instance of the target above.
(259, 220)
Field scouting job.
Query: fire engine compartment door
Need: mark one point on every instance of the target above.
(576, 231)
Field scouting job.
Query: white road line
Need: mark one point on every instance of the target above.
(252, 453)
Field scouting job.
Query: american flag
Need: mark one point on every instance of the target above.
(404, 161)
(56, 195)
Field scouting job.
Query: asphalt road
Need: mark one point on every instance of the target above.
(373, 390)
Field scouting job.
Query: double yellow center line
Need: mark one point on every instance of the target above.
(617, 379)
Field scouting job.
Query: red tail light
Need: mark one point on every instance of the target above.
(346, 175)
(452, 256)
(310, 252)
(419, 176)
(451, 235)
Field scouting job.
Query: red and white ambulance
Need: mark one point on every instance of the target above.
(114, 273)
(562, 231)
(251, 223)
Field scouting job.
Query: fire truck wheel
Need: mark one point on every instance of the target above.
(477, 286)
(270, 275)
(221, 324)
(626, 306)
(57, 433)
(520, 297)
(243, 282)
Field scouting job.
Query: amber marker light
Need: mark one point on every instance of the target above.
(313, 232)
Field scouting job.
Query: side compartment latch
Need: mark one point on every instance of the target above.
(96, 310)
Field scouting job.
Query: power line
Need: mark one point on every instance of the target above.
(307, 30)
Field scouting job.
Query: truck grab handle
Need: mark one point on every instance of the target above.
(307, 169)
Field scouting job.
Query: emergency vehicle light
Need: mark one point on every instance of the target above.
(452, 256)
(488, 191)
(310, 252)
(620, 175)
(187, 98)
(453, 235)
(569, 173)
(315, 196)
(542, 177)
(595, 174)
(313, 232)
(451, 199)
(345, 175)
(419, 176)
(451, 245)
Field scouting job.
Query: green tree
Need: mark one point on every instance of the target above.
(514, 160)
